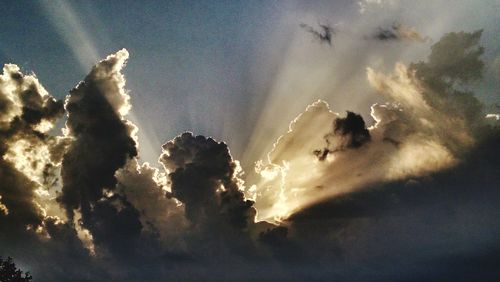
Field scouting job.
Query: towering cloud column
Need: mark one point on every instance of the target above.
(101, 143)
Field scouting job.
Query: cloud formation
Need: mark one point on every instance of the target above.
(339, 195)
(348, 132)
(205, 178)
(27, 152)
(101, 143)
(415, 121)
(29, 164)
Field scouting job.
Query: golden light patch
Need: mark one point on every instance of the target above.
(3, 208)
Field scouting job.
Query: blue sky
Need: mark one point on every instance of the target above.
(186, 57)
(213, 67)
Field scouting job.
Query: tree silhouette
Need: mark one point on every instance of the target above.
(10, 273)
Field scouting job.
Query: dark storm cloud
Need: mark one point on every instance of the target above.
(204, 177)
(348, 132)
(324, 34)
(36, 108)
(437, 223)
(17, 199)
(353, 127)
(115, 223)
(102, 140)
(101, 143)
(275, 236)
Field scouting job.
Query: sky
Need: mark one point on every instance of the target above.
(284, 139)
(223, 60)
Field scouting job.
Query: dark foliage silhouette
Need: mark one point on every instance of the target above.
(10, 273)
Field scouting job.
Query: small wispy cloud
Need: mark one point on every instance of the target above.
(398, 32)
(324, 34)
